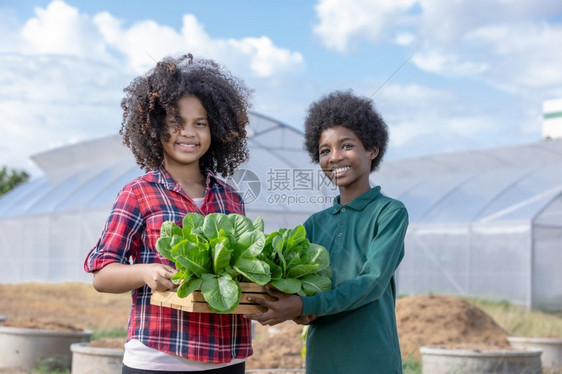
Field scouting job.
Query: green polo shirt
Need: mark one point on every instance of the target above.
(356, 328)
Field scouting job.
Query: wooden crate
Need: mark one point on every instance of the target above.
(195, 302)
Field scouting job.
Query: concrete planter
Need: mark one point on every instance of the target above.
(26, 348)
(438, 360)
(551, 357)
(96, 360)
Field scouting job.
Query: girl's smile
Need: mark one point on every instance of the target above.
(190, 135)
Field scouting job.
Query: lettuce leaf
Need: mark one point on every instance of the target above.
(216, 252)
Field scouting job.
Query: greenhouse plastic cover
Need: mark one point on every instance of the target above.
(48, 225)
(485, 223)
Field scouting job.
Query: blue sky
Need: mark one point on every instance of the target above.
(445, 75)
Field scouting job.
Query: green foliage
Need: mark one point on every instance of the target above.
(114, 333)
(519, 321)
(411, 366)
(216, 252)
(50, 365)
(11, 178)
(298, 266)
(304, 335)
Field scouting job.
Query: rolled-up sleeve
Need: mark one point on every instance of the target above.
(121, 235)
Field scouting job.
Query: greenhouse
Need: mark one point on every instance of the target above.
(48, 225)
(485, 223)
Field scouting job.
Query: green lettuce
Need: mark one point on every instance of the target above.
(216, 252)
(297, 266)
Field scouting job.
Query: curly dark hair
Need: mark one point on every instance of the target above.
(348, 110)
(151, 97)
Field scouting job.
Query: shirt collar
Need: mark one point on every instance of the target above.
(359, 203)
(161, 176)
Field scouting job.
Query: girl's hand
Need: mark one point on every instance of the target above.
(119, 278)
(283, 308)
(157, 277)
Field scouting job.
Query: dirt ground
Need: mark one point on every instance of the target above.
(422, 320)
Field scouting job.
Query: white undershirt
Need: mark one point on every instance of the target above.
(139, 356)
(198, 201)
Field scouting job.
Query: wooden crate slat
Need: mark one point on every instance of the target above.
(195, 302)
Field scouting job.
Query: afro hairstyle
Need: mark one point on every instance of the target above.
(345, 109)
(151, 97)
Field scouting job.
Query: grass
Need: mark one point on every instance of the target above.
(50, 365)
(410, 366)
(518, 321)
(515, 319)
(113, 333)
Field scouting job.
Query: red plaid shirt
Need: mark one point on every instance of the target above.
(130, 235)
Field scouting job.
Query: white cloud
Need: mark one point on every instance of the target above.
(340, 21)
(47, 101)
(146, 41)
(508, 44)
(424, 120)
(526, 55)
(8, 22)
(194, 34)
(62, 72)
(265, 58)
(511, 45)
(60, 29)
(142, 44)
(447, 64)
(405, 38)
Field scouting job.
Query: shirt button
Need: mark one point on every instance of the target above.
(342, 222)
(339, 234)
(343, 209)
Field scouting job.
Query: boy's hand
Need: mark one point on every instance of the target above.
(283, 308)
(305, 320)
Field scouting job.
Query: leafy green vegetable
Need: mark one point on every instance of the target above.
(297, 266)
(216, 252)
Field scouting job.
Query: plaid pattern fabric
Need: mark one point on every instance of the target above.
(130, 235)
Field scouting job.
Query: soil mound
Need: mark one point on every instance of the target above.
(276, 347)
(422, 321)
(445, 321)
(41, 324)
(113, 343)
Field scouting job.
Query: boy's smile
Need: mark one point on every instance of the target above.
(345, 161)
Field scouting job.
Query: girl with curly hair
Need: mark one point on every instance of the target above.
(184, 121)
(353, 326)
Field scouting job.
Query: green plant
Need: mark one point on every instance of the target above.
(517, 320)
(216, 252)
(411, 366)
(304, 336)
(114, 333)
(297, 266)
(50, 365)
(9, 179)
(213, 253)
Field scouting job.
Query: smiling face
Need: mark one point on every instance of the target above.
(187, 145)
(345, 161)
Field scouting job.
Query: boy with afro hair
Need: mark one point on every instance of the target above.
(352, 327)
